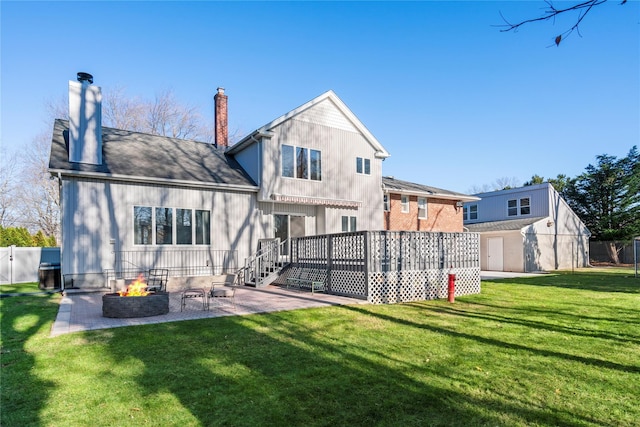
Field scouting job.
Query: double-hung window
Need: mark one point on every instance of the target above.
(422, 208)
(404, 204)
(301, 163)
(387, 208)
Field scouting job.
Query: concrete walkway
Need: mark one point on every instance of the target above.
(83, 311)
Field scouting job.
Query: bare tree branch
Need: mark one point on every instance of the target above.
(551, 12)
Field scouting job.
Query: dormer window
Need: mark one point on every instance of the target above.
(520, 206)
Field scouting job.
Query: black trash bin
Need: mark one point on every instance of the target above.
(49, 275)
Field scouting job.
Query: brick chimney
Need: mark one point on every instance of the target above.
(222, 132)
(85, 121)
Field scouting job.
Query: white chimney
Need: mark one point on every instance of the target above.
(85, 121)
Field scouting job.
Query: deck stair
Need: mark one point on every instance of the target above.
(263, 268)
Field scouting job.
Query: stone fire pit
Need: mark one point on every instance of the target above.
(153, 304)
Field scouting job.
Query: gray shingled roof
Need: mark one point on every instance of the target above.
(506, 225)
(392, 184)
(134, 154)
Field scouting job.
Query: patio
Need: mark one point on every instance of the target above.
(83, 311)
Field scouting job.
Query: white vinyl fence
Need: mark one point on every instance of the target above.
(21, 265)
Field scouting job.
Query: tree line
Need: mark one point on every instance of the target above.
(20, 236)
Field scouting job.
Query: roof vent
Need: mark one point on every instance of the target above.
(85, 77)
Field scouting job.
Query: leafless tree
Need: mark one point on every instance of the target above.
(551, 12)
(38, 193)
(167, 117)
(122, 112)
(503, 183)
(8, 190)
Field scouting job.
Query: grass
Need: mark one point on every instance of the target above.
(20, 288)
(560, 349)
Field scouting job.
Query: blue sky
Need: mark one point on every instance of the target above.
(456, 102)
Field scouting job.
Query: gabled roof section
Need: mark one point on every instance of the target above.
(135, 156)
(350, 121)
(523, 189)
(393, 185)
(505, 225)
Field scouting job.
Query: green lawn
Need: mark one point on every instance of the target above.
(560, 349)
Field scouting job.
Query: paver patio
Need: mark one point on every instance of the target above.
(83, 311)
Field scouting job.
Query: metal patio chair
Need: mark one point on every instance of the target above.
(224, 290)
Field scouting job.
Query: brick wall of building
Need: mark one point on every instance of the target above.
(442, 215)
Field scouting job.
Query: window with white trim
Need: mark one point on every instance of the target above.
(363, 166)
(469, 212)
(348, 224)
(520, 206)
(385, 202)
(301, 163)
(164, 226)
(404, 203)
(142, 225)
(422, 208)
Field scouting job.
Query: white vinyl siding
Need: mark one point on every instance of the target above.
(221, 219)
(338, 150)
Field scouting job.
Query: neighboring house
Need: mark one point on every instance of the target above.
(314, 170)
(527, 229)
(415, 207)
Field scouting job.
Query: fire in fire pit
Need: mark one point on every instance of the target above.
(135, 289)
(135, 301)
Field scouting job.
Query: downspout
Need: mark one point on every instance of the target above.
(524, 250)
(61, 231)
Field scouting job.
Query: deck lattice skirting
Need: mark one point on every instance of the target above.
(389, 266)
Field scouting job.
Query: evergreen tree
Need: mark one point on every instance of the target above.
(607, 197)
